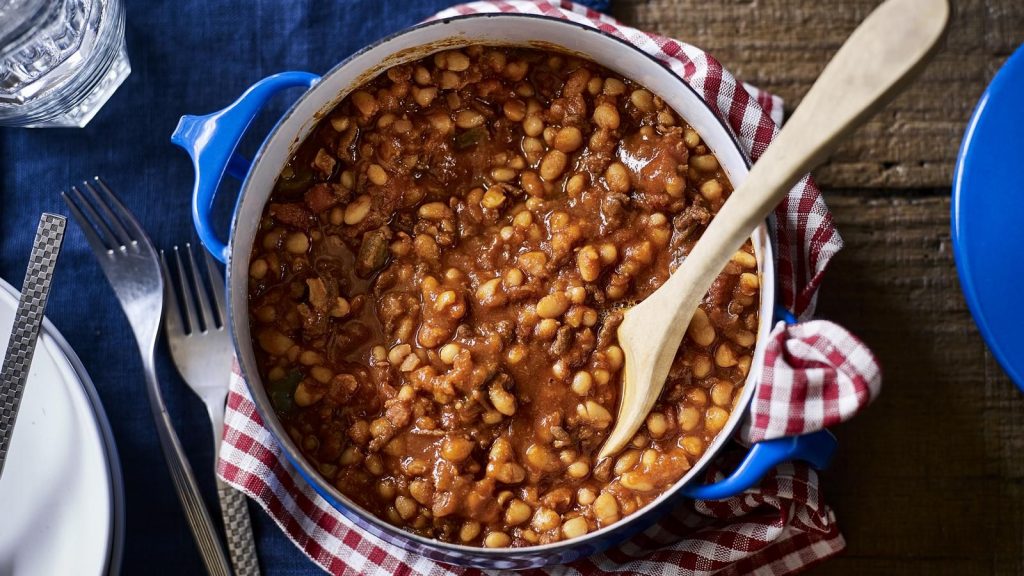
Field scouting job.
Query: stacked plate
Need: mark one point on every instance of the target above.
(61, 497)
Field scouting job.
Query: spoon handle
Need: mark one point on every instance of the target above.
(881, 56)
(876, 61)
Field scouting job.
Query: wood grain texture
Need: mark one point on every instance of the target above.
(651, 331)
(930, 479)
(782, 45)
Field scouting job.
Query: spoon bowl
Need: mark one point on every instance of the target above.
(882, 55)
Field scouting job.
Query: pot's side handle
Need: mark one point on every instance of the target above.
(211, 140)
(815, 448)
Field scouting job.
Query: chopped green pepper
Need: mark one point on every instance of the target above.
(470, 138)
(299, 182)
(282, 392)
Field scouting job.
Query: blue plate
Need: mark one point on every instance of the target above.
(988, 216)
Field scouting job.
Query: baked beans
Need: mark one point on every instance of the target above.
(438, 277)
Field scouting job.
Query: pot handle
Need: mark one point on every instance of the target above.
(815, 448)
(211, 140)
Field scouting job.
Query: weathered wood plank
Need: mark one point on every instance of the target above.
(930, 479)
(782, 45)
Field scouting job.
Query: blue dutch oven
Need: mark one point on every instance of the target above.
(211, 142)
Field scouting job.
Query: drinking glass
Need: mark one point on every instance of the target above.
(60, 60)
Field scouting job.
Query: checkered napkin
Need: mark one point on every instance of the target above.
(816, 374)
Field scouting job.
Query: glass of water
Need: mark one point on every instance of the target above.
(60, 60)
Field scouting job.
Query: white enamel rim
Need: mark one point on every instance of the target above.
(412, 44)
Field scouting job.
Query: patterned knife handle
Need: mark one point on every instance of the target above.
(27, 321)
(238, 529)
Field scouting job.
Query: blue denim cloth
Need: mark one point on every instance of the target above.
(193, 56)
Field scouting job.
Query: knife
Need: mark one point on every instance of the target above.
(27, 321)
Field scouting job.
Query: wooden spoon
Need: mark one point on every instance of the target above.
(879, 58)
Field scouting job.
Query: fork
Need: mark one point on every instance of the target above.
(202, 352)
(132, 267)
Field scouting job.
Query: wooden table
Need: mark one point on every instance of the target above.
(930, 479)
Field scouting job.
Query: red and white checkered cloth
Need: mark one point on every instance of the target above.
(816, 374)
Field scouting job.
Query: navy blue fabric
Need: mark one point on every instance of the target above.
(193, 56)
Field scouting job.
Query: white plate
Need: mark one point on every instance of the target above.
(60, 493)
